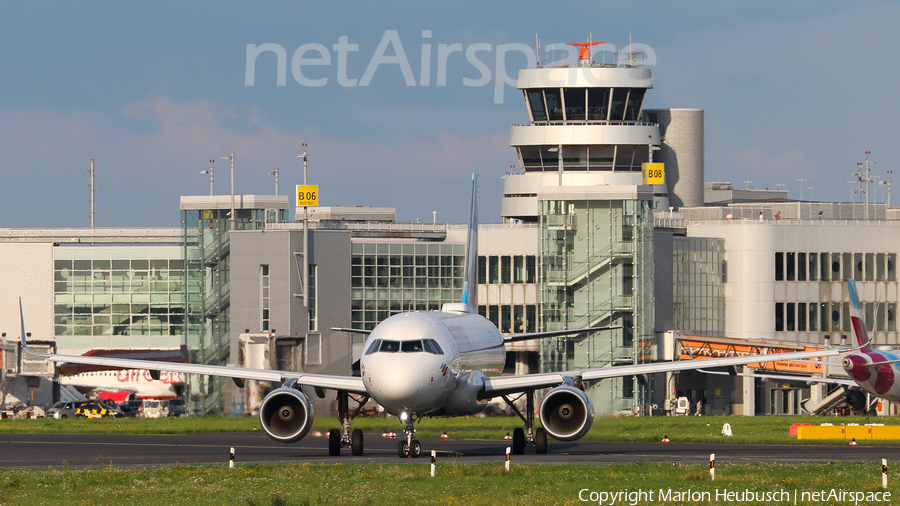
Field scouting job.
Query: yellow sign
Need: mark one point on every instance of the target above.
(654, 173)
(307, 195)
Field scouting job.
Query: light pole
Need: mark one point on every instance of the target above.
(801, 180)
(851, 190)
(748, 184)
(231, 157)
(305, 273)
(275, 173)
(210, 172)
(889, 188)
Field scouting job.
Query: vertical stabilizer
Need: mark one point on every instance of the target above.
(857, 320)
(470, 272)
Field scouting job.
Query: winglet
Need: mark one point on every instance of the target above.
(22, 322)
(857, 321)
(470, 271)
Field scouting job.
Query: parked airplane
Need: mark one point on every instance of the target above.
(429, 363)
(872, 371)
(137, 381)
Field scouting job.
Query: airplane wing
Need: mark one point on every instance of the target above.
(808, 379)
(351, 384)
(554, 333)
(502, 385)
(355, 331)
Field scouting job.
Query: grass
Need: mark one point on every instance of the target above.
(707, 429)
(488, 484)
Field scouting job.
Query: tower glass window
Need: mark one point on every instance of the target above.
(575, 101)
(598, 104)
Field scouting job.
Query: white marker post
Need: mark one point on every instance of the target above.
(507, 459)
(231, 462)
(433, 455)
(883, 473)
(712, 466)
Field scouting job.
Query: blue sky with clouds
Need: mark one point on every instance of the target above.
(154, 90)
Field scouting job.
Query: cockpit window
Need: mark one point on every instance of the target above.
(390, 346)
(373, 347)
(431, 346)
(411, 346)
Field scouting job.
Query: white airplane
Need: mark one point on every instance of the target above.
(429, 363)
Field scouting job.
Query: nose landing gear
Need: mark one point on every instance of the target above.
(411, 447)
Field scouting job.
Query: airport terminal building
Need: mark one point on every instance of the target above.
(586, 237)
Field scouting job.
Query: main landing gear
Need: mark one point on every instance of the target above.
(345, 437)
(528, 435)
(411, 447)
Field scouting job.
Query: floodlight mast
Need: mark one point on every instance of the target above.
(275, 173)
(231, 157)
(210, 172)
(305, 273)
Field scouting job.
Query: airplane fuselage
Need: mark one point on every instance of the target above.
(878, 380)
(430, 362)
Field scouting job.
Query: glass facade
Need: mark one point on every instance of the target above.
(119, 297)
(699, 285)
(596, 268)
(391, 277)
(585, 105)
(207, 245)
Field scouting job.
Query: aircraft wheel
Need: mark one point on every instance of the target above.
(403, 449)
(540, 441)
(518, 447)
(334, 442)
(356, 442)
(416, 449)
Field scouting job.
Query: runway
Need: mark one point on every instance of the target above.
(37, 451)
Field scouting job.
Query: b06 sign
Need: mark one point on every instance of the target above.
(307, 195)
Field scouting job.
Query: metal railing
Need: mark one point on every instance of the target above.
(96, 235)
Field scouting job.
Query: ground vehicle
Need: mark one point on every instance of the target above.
(97, 409)
(154, 408)
(132, 408)
(63, 409)
(176, 407)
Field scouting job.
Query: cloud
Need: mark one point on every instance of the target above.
(150, 152)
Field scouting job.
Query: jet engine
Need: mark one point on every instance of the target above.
(566, 413)
(286, 415)
(856, 399)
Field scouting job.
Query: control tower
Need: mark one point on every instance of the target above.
(586, 183)
(586, 134)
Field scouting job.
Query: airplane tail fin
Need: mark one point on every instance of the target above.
(470, 272)
(857, 319)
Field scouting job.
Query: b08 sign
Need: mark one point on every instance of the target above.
(654, 173)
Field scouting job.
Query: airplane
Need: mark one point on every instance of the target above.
(430, 363)
(872, 371)
(138, 382)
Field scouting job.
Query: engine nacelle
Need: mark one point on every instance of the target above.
(566, 413)
(856, 399)
(286, 415)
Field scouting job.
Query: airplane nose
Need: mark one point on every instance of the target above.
(399, 383)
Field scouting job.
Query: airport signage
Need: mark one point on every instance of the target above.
(307, 195)
(654, 173)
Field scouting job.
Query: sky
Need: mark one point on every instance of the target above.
(154, 90)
